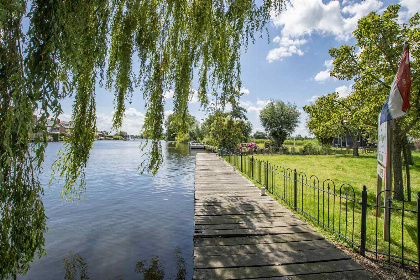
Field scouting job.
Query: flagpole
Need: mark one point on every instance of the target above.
(388, 181)
(396, 106)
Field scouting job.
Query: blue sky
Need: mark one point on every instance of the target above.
(293, 68)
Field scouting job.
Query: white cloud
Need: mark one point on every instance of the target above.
(313, 98)
(262, 103)
(287, 47)
(245, 104)
(193, 96)
(305, 17)
(413, 6)
(251, 107)
(344, 91)
(104, 121)
(228, 106)
(324, 75)
(167, 113)
(65, 117)
(244, 90)
(168, 94)
(132, 123)
(254, 109)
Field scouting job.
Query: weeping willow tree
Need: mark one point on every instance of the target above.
(70, 46)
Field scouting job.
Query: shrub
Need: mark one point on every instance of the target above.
(284, 150)
(325, 150)
(310, 149)
(209, 141)
(182, 138)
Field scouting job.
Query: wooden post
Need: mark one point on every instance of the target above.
(407, 168)
(363, 226)
(388, 183)
(378, 197)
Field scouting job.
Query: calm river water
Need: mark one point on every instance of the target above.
(129, 225)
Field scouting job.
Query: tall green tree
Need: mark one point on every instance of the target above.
(279, 120)
(324, 120)
(64, 53)
(175, 125)
(331, 116)
(380, 39)
(226, 131)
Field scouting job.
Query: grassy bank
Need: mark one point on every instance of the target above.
(340, 173)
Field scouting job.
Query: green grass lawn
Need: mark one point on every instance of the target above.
(344, 168)
(339, 172)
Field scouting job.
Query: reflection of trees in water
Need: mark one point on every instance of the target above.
(76, 268)
(153, 272)
(75, 265)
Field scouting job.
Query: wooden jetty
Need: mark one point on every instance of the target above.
(242, 235)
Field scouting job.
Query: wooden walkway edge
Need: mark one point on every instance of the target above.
(242, 235)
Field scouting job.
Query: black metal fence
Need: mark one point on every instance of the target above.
(352, 215)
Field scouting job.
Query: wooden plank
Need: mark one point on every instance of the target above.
(210, 212)
(261, 248)
(261, 225)
(237, 219)
(276, 270)
(267, 259)
(265, 239)
(342, 275)
(251, 232)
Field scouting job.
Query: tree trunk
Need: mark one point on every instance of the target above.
(355, 147)
(409, 150)
(397, 163)
(407, 166)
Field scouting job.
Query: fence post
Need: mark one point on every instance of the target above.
(241, 162)
(295, 188)
(363, 227)
(252, 167)
(266, 175)
(418, 229)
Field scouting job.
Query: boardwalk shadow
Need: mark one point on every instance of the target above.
(76, 267)
(240, 234)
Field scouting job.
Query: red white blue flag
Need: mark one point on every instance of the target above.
(399, 98)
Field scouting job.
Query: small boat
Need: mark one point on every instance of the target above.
(195, 145)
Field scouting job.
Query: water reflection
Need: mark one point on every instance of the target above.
(126, 217)
(76, 268)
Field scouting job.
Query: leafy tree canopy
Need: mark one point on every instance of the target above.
(225, 130)
(331, 116)
(380, 39)
(279, 120)
(70, 46)
(173, 126)
(260, 135)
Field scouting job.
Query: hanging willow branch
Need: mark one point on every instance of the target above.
(71, 46)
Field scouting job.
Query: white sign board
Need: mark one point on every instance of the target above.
(381, 171)
(382, 141)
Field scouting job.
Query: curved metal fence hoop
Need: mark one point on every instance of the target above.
(346, 187)
(328, 181)
(377, 211)
(315, 186)
(304, 182)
